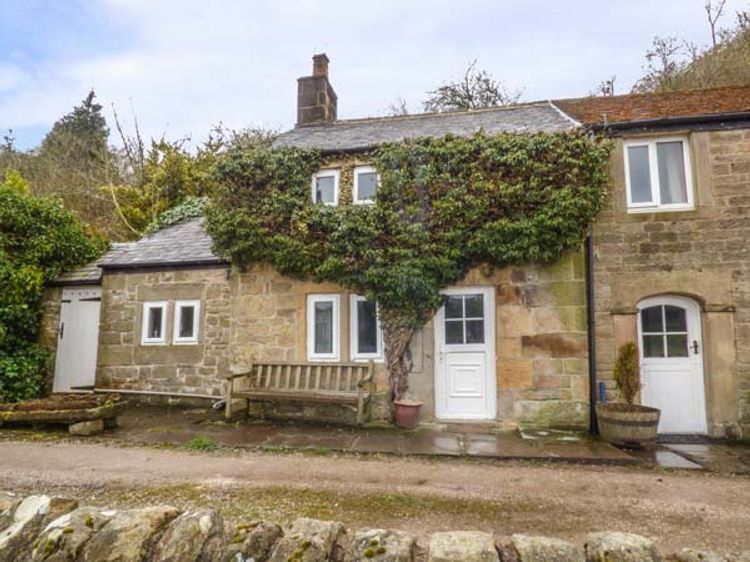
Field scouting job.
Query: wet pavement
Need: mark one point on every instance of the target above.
(176, 426)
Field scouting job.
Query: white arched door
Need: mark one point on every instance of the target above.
(671, 350)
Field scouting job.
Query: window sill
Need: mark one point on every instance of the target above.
(655, 210)
(153, 343)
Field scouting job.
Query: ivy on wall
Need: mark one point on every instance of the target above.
(444, 205)
(39, 240)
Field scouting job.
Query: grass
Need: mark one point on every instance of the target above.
(201, 443)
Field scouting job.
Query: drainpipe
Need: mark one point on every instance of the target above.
(591, 330)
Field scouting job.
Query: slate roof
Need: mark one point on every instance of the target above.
(361, 134)
(666, 105)
(91, 274)
(183, 243)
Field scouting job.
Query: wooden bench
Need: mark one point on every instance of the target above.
(348, 384)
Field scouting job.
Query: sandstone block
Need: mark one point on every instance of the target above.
(91, 427)
(308, 540)
(381, 545)
(63, 539)
(620, 547)
(253, 541)
(31, 514)
(195, 536)
(462, 546)
(544, 549)
(129, 535)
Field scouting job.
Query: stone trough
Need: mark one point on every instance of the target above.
(84, 414)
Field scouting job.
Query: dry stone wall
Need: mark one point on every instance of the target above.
(51, 529)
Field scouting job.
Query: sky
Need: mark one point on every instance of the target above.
(182, 66)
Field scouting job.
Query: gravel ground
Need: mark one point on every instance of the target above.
(676, 508)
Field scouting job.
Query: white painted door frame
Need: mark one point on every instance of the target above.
(676, 385)
(477, 400)
(77, 338)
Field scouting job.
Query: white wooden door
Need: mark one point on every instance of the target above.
(77, 338)
(465, 355)
(671, 349)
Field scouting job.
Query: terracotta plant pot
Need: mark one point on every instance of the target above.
(627, 425)
(406, 413)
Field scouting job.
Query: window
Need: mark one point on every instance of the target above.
(323, 327)
(664, 331)
(186, 321)
(365, 185)
(325, 187)
(366, 337)
(154, 323)
(464, 319)
(657, 175)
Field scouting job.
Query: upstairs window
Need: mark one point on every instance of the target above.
(366, 336)
(657, 175)
(154, 323)
(365, 185)
(325, 187)
(323, 327)
(186, 321)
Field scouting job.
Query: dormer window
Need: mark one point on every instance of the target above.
(657, 175)
(365, 185)
(325, 187)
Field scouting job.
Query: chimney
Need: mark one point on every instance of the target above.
(316, 99)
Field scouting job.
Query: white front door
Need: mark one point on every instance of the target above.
(465, 355)
(77, 338)
(671, 348)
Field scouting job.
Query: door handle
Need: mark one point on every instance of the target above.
(695, 347)
(62, 329)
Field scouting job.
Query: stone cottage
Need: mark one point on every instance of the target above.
(512, 347)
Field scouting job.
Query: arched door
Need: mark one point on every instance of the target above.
(671, 349)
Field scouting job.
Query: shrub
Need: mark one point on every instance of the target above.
(201, 443)
(39, 239)
(627, 373)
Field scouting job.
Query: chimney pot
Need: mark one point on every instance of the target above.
(320, 65)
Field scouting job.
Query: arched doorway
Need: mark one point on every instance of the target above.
(671, 350)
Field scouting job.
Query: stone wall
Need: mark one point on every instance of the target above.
(41, 528)
(540, 347)
(702, 253)
(194, 369)
(49, 325)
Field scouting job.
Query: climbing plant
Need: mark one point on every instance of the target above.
(39, 239)
(443, 206)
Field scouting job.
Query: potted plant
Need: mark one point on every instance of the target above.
(406, 413)
(628, 424)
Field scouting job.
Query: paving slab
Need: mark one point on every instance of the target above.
(668, 459)
(311, 438)
(386, 442)
(434, 443)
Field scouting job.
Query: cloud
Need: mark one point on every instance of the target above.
(185, 65)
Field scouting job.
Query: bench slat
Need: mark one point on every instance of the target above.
(322, 397)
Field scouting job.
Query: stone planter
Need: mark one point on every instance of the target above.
(628, 425)
(406, 413)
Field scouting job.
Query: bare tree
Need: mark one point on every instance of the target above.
(713, 13)
(398, 107)
(605, 87)
(476, 89)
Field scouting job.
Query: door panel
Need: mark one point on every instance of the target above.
(671, 349)
(77, 339)
(464, 350)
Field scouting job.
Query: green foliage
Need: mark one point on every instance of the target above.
(627, 373)
(201, 443)
(443, 206)
(190, 207)
(39, 240)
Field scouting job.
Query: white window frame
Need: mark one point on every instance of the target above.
(655, 205)
(355, 191)
(324, 174)
(147, 306)
(336, 328)
(354, 334)
(178, 306)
